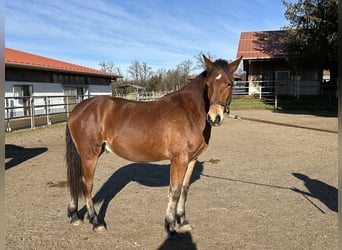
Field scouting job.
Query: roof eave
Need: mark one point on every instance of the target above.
(56, 69)
(264, 58)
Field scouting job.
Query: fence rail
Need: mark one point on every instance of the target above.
(30, 111)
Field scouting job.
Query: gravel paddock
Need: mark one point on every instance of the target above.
(267, 181)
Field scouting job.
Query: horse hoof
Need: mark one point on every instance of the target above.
(100, 228)
(77, 222)
(184, 228)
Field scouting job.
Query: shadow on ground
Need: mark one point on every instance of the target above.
(18, 154)
(319, 190)
(147, 174)
(181, 241)
(316, 189)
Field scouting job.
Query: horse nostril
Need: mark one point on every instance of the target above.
(217, 120)
(208, 118)
(214, 122)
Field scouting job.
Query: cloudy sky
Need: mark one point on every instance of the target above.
(161, 33)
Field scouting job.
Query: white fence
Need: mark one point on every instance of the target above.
(290, 88)
(16, 107)
(21, 111)
(32, 111)
(271, 91)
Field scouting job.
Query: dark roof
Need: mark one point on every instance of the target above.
(124, 86)
(261, 44)
(22, 59)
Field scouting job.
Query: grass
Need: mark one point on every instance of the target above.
(249, 102)
(309, 103)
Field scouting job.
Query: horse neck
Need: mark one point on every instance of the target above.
(198, 89)
(194, 92)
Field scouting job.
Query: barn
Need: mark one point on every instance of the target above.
(37, 85)
(29, 76)
(266, 64)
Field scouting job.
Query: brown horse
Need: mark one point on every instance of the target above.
(175, 127)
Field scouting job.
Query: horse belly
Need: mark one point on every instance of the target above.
(138, 151)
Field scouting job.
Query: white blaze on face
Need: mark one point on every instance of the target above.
(218, 76)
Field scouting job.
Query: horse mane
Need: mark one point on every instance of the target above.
(220, 63)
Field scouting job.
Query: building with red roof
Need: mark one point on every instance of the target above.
(265, 62)
(30, 76)
(20, 59)
(25, 69)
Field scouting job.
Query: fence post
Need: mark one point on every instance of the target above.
(276, 101)
(32, 112)
(48, 120)
(260, 89)
(67, 105)
(7, 108)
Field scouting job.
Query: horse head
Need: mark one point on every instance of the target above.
(220, 88)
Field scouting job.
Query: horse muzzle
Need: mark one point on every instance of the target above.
(214, 120)
(215, 114)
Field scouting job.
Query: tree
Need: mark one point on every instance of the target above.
(184, 69)
(200, 65)
(312, 34)
(110, 68)
(140, 73)
(146, 72)
(133, 71)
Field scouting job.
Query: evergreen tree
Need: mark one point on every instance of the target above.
(312, 34)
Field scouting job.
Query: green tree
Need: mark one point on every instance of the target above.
(312, 34)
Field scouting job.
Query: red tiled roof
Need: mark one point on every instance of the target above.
(23, 59)
(261, 44)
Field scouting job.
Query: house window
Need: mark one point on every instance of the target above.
(74, 93)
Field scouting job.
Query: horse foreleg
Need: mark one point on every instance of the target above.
(177, 171)
(180, 215)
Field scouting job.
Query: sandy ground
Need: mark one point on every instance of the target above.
(267, 181)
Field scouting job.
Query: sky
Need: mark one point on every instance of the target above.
(160, 33)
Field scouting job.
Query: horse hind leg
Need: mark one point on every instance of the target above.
(72, 212)
(87, 179)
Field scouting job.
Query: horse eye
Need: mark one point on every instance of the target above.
(229, 84)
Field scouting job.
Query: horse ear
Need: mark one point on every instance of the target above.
(234, 65)
(207, 62)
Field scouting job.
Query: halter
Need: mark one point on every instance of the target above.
(224, 104)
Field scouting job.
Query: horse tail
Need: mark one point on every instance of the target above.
(74, 167)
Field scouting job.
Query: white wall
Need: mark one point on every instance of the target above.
(42, 90)
(100, 90)
(53, 89)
